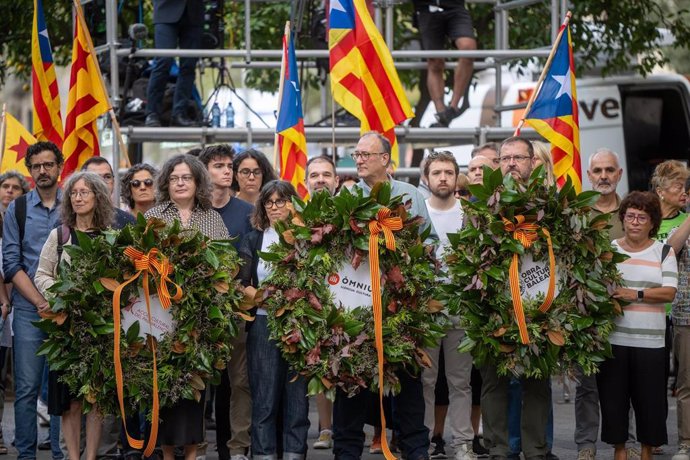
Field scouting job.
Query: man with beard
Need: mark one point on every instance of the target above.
(320, 172)
(604, 173)
(441, 171)
(28, 221)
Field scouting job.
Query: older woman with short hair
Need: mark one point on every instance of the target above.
(87, 208)
(273, 384)
(635, 373)
(184, 194)
(137, 188)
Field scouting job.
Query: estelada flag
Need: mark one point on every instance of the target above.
(554, 113)
(87, 101)
(17, 140)
(47, 118)
(291, 141)
(363, 78)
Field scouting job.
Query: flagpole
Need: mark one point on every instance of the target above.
(3, 127)
(333, 149)
(547, 66)
(283, 66)
(113, 119)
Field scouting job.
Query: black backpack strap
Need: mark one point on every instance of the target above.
(63, 235)
(20, 214)
(664, 252)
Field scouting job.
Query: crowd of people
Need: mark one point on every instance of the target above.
(261, 407)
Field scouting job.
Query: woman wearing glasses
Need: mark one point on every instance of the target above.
(184, 193)
(137, 188)
(87, 208)
(251, 171)
(635, 374)
(272, 383)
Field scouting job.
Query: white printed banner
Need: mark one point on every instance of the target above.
(351, 288)
(161, 320)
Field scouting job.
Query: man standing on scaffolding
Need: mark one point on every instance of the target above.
(438, 20)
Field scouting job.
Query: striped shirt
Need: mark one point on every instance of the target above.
(643, 325)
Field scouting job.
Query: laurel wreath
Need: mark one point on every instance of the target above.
(331, 346)
(80, 324)
(575, 330)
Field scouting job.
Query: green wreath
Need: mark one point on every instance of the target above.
(331, 346)
(80, 325)
(575, 330)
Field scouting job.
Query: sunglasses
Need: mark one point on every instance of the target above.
(137, 183)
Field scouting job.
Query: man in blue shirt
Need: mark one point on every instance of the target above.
(22, 242)
(372, 156)
(233, 407)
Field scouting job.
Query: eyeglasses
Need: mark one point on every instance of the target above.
(48, 166)
(187, 178)
(107, 177)
(136, 183)
(357, 154)
(80, 193)
(462, 192)
(279, 203)
(640, 218)
(250, 172)
(516, 158)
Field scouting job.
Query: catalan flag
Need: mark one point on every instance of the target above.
(87, 101)
(17, 140)
(47, 118)
(554, 112)
(363, 78)
(291, 142)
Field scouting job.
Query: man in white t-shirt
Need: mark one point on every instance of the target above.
(441, 171)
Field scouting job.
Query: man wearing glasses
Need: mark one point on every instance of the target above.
(372, 156)
(28, 221)
(100, 166)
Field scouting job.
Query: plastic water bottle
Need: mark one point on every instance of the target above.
(229, 116)
(215, 115)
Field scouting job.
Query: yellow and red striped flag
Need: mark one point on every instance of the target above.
(554, 112)
(46, 97)
(87, 101)
(291, 142)
(363, 78)
(17, 140)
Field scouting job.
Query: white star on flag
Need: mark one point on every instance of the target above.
(336, 5)
(564, 82)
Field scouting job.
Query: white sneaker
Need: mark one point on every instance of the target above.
(42, 413)
(683, 452)
(238, 457)
(465, 452)
(588, 454)
(325, 440)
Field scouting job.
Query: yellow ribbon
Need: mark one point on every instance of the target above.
(526, 234)
(144, 264)
(386, 224)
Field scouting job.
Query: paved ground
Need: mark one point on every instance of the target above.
(564, 426)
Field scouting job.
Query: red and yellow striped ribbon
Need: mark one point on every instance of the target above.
(386, 225)
(144, 264)
(526, 234)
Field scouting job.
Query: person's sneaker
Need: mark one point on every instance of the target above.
(42, 413)
(478, 448)
(683, 452)
(238, 457)
(633, 453)
(449, 114)
(325, 440)
(464, 452)
(375, 447)
(437, 448)
(588, 454)
(551, 456)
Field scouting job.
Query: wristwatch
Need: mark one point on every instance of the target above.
(640, 295)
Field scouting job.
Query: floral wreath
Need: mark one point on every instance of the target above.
(330, 345)
(81, 323)
(523, 334)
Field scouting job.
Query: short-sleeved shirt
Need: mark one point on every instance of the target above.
(643, 325)
(207, 221)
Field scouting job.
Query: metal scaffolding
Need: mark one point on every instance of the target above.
(404, 59)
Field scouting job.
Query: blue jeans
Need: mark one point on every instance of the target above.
(349, 416)
(515, 416)
(271, 383)
(55, 422)
(168, 36)
(28, 373)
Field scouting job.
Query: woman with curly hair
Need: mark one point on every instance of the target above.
(635, 372)
(669, 183)
(137, 188)
(87, 208)
(251, 171)
(184, 194)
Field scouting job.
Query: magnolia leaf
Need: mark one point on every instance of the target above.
(289, 237)
(434, 306)
(245, 316)
(109, 283)
(197, 382)
(556, 337)
(221, 286)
